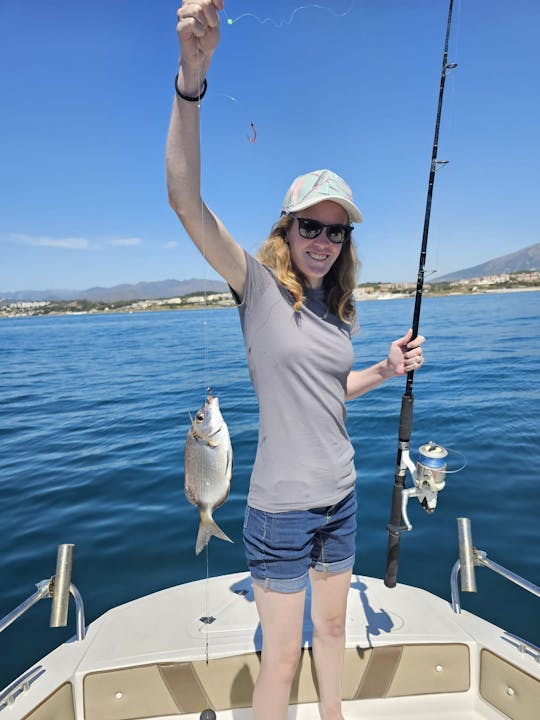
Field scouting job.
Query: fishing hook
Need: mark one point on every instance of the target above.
(253, 138)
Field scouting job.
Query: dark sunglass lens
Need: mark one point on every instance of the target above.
(336, 233)
(309, 228)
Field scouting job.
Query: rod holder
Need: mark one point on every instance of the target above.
(466, 555)
(59, 586)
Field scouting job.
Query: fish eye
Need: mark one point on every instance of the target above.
(200, 417)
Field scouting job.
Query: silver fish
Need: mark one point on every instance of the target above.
(208, 468)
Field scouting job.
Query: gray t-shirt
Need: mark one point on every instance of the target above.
(298, 363)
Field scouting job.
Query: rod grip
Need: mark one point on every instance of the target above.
(392, 560)
(405, 418)
(394, 527)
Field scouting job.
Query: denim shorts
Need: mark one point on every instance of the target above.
(282, 547)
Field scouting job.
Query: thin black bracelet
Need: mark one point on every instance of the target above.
(187, 97)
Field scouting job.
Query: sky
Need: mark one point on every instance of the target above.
(351, 85)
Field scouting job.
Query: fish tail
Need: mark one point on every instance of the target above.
(207, 528)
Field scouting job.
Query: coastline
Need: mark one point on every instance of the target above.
(490, 291)
(223, 300)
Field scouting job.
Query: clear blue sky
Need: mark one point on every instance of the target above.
(352, 85)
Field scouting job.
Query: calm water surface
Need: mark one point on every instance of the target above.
(95, 408)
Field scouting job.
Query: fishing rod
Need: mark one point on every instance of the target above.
(428, 476)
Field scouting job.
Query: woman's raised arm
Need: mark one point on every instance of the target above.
(198, 33)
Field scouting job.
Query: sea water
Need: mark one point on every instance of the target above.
(95, 408)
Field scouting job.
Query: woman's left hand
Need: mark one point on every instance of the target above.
(406, 354)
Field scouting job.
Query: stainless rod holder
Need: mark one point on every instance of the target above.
(60, 585)
(466, 555)
(469, 558)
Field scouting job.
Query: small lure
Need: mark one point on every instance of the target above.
(253, 138)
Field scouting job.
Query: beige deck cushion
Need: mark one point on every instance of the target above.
(427, 669)
(224, 683)
(512, 691)
(368, 673)
(397, 670)
(232, 685)
(58, 706)
(185, 687)
(136, 692)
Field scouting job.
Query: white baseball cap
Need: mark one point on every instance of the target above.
(314, 187)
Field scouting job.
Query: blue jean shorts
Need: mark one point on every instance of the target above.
(282, 547)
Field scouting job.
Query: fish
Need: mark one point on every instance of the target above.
(208, 460)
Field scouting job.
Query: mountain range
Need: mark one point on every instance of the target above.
(526, 259)
(120, 293)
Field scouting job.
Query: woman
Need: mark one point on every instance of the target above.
(297, 316)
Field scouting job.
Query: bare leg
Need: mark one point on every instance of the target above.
(328, 612)
(281, 616)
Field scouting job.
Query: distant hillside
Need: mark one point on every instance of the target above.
(139, 291)
(526, 259)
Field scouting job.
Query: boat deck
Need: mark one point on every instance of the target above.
(407, 654)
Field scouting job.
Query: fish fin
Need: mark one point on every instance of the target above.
(207, 528)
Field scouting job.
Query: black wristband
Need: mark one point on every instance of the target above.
(187, 97)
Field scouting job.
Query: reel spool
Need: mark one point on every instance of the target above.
(431, 468)
(428, 478)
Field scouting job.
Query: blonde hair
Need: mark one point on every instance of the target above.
(338, 283)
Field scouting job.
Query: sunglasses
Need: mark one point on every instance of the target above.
(336, 232)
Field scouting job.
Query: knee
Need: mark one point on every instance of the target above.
(329, 627)
(282, 663)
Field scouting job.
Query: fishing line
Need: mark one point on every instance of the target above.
(206, 618)
(461, 455)
(251, 134)
(251, 137)
(457, 33)
(278, 24)
(206, 594)
(401, 494)
(251, 129)
(450, 103)
(449, 113)
(203, 236)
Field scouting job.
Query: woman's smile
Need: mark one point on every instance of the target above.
(316, 256)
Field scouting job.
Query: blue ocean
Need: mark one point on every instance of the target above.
(95, 409)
